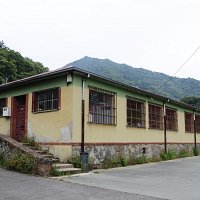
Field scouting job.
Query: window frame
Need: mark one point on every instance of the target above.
(190, 121)
(4, 104)
(104, 111)
(140, 114)
(168, 118)
(46, 102)
(158, 118)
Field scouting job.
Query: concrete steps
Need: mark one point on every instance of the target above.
(61, 168)
(67, 168)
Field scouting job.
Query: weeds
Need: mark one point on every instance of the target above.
(76, 161)
(31, 141)
(123, 161)
(196, 152)
(18, 162)
(183, 153)
(141, 160)
(55, 172)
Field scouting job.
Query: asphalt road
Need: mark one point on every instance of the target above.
(178, 179)
(16, 186)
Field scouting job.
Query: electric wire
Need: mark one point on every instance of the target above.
(178, 70)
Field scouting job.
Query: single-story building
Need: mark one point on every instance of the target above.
(69, 110)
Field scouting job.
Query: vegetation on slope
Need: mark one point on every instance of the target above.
(14, 66)
(176, 88)
(194, 101)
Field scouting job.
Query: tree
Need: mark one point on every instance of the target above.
(2, 45)
(194, 101)
(7, 70)
(14, 66)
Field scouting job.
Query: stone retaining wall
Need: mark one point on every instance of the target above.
(9, 146)
(99, 153)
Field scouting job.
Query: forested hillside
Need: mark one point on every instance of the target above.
(14, 66)
(176, 88)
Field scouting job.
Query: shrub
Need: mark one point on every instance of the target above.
(111, 162)
(183, 153)
(196, 152)
(2, 161)
(31, 141)
(141, 160)
(163, 156)
(54, 171)
(123, 161)
(132, 159)
(114, 162)
(169, 155)
(155, 159)
(76, 161)
(20, 162)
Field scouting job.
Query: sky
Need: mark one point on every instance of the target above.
(159, 35)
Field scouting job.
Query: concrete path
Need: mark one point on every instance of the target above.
(177, 179)
(15, 186)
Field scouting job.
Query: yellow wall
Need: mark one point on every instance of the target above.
(120, 133)
(55, 126)
(64, 126)
(5, 122)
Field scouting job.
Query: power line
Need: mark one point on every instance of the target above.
(178, 69)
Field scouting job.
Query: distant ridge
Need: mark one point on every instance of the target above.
(177, 88)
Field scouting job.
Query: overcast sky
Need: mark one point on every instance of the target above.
(159, 35)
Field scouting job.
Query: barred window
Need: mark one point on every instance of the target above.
(135, 113)
(171, 120)
(189, 122)
(197, 122)
(46, 100)
(2, 104)
(102, 106)
(155, 117)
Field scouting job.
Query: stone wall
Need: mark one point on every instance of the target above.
(98, 153)
(8, 147)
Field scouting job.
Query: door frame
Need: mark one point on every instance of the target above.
(13, 114)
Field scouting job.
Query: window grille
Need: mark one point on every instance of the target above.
(135, 113)
(102, 106)
(2, 104)
(189, 122)
(155, 117)
(171, 120)
(46, 100)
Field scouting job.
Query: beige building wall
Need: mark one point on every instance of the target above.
(120, 133)
(5, 122)
(59, 130)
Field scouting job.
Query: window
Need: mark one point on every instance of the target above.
(189, 122)
(46, 100)
(135, 113)
(3, 103)
(155, 117)
(102, 106)
(171, 120)
(197, 122)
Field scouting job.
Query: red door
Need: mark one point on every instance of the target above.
(19, 117)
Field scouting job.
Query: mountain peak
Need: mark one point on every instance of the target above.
(139, 77)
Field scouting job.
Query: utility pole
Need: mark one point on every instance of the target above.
(195, 134)
(165, 127)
